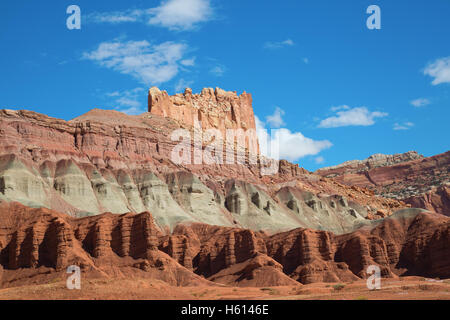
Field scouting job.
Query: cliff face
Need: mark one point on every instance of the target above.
(421, 182)
(214, 109)
(38, 244)
(106, 161)
(182, 223)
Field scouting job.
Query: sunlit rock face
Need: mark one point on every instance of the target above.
(213, 108)
(410, 242)
(107, 161)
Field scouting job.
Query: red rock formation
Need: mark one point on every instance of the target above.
(101, 161)
(258, 271)
(106, 161)
(114, 245)
(42, 240)
(421, 182)
(215, 109)
(125, 235)
(437, 200)
(401, 245)
(374, 161)
(216, 248)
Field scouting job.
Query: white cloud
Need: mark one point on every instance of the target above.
(132, 110)
(439, 70)
(149, 64)
(421, 102)
(291, 145)
(339, 108)
(403, 126)
(181, 14)
(127, 101)
(305, 60)
(277, 45)
(188, 62)
(319, 160)
(276, 119)
(346, 116)
(123, 101)
(218, 70)
(182, 84)
(115, 17)
(171, 14)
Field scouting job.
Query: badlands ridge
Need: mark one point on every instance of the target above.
(101, 191)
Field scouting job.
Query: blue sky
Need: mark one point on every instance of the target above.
(338, 90)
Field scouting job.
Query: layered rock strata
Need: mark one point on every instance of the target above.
(37, 245)
(418, 181)
(106, 161)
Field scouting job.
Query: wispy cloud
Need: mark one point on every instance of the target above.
(319, 160)
(116, 17)
(188, 62)
(403, 126)
(334, 109)
(127, 101)
(275, 120)
(149, 64)
(346, 116)
(182, 84)
(218, 70)
(172, 14)
(291, 145)
(439, 70)
(279, 44)
(421, 102)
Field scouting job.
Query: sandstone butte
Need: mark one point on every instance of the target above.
(100, 191)
(214, 109)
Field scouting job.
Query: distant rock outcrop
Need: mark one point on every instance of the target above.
(421, 182)
(437, 199)
(374, 161)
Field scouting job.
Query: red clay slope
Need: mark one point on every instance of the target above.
(37, 244)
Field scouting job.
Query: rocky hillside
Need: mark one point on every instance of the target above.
(374, 161)
(421, 182)
(106, 161)
(36, 246)
(102, 192)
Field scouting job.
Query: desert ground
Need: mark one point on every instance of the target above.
(405, 288)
